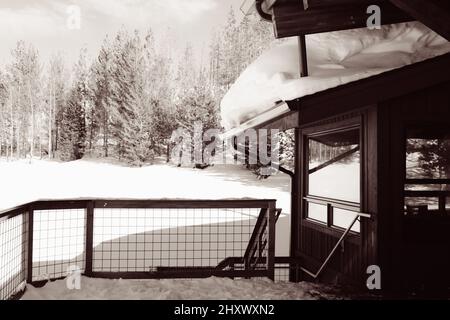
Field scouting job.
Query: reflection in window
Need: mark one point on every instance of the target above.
(427, 187)
(334, 166)
(334, 169)
(428, 154)
(317, 212)
(343, 218)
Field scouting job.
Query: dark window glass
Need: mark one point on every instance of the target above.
(427, 170)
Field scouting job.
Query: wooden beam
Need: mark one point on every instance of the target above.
(382, 87)
(303, 56)
(433, 13)
(292, 20)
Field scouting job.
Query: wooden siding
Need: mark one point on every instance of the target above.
(400, 255)
(314, 242)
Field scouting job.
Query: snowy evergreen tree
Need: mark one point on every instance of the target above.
(132, 125)
(73, 124)
(198, 106)
(287, 149)
(433, 157)
(103, 93)
(128, 102)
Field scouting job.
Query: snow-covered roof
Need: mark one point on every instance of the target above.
(334, 59)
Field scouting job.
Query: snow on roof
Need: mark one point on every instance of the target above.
(334, 59)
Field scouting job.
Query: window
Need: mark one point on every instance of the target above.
(317, 212)
(334, 184)
(343, 218)
(427, 188)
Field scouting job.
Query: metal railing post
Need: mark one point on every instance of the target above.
(89, 237)
(271, 241)
(30, 245)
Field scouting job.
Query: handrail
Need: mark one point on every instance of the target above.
(341, 239)
(256, 243)
(340, 204)
(259, 227)
(138, 203)
(442, 196)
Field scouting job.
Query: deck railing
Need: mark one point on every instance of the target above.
(135, 239)
(428, 201)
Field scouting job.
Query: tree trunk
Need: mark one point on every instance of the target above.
(56, 137)
(40, 145)
(168, 152)
(105, 135)
(17, 141)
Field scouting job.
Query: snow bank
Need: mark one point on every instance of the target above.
(181, 289)
(334, 59)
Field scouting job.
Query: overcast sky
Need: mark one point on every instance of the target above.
(44, 23)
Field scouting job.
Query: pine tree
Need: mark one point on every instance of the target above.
(434, 157)
(197, 106)
(73, 124)
(131, 118)
(103, 93)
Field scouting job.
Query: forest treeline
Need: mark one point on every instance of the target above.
(123, 101)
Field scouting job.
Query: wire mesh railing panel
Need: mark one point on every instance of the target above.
(167, 239)
(143, 240)
(58, 242)
(13, 255)
(282, 272)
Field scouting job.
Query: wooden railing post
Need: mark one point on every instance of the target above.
(89, 237)
(442, 204)
(30, 245)
(271, 241)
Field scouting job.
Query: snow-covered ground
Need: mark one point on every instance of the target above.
(22, 182)
(334, 59)
(169, 289)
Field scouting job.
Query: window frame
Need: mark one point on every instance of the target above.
(442, 197)
(307, 134)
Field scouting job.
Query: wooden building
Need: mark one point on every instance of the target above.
(397, 219)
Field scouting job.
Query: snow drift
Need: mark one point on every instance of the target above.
(334, 59)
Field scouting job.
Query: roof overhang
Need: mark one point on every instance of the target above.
(301, 17)
(281, 117)
(373, 90)
(296, 18)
